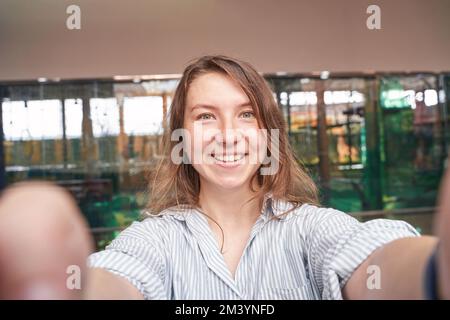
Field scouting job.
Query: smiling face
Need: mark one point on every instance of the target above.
(222, 125)
(214, 93)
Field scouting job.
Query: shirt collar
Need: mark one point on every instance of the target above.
(271, 207)
(275, 207)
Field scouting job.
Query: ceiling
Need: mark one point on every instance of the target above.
(147, 37)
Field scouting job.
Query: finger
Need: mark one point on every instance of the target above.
(42, 234)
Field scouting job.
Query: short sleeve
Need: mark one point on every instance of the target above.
(337, 244)
(137, 255)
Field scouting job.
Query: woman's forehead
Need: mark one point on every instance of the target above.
(215, 89)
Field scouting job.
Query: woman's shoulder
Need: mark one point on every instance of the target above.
(306, 218)
(310, 218)
(156, 226)
(288, 211)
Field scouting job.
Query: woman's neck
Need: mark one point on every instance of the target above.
(230, 208)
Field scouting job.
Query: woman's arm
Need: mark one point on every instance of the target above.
(105, 285)
(402, 262)
(400, 267)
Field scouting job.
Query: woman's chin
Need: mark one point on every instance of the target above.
(230, 183)
(228, 180)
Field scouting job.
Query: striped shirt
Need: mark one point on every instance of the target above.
(309, 253)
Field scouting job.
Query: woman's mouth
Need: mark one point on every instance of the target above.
(229, 160)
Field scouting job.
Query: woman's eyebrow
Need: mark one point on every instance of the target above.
(245, 104)
(210, 106)
(204, 106)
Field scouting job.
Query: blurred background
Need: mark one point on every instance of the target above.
(367, 110)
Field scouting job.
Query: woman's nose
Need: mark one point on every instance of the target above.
(228, 135)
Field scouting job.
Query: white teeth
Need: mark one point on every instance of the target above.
(229, 158)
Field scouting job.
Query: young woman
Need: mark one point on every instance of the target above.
(232, 216)
(223, 230)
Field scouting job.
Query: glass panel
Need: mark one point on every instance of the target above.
(104, 116)
(413, 141)
(100, 139)
(143, 115)
(97, 140)
(74, 117)
(344, 100)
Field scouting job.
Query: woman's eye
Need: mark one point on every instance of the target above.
(205, 116)
(248, 114)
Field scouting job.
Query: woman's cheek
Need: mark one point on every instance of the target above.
(256, 145)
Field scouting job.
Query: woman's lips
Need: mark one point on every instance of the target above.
(229, 161)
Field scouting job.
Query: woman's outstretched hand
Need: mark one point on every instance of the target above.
(43, 241)
(44, 246)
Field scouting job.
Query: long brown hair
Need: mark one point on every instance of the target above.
(179, 184)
